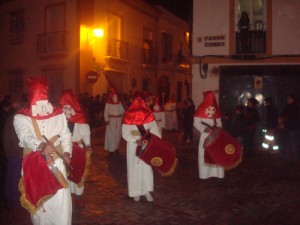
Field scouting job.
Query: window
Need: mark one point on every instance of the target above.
(114, 26)
(16, 27)
(251, 26)
(55, 18)
(54, 39)
(256, 12)
(148, 50)
(166, 48)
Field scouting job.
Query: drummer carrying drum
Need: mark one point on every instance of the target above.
(138, 119)
(207, 115)
(45, 192)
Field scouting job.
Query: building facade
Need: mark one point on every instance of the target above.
(261, 61)
(141, 48)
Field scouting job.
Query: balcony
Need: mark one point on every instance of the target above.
(52, 44)
(117, 55)
(253, 42)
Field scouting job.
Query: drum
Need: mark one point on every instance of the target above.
(222, 149)
(80, 163)
(158, 153)
(38, 183)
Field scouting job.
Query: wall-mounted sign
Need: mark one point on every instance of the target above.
(258, 83)
(91, 77)
(212, 41)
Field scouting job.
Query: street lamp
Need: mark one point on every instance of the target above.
(96, 33)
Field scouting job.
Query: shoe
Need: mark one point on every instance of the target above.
(136, 198)
(149, 197)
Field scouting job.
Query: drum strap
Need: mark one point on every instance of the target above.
(39, 136)
(141, 129)
(207, 125)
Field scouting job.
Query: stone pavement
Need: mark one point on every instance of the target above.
(263, 190)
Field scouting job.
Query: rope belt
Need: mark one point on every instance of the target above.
(114, 116)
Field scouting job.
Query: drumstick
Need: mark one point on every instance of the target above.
(68, 166)
(209, 126)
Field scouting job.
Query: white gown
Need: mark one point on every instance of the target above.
(205, 170)
(113, 133)
(139, 174)
(160, 120)
(80, 132)
(171, 121)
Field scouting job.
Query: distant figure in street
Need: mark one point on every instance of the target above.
(171, 114)
(291, 123)
(159, 114)
(188, 120)
(238, 130)
(14, 157)
(207, 115)
(113, 115)
(138, 118)
(271, 118)
(252, 119)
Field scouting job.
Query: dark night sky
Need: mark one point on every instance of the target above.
(181, 8)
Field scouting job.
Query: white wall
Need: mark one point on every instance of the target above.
(199, 85)
(286, 27)
(211, 19)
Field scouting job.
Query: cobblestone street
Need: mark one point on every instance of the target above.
(263, 190)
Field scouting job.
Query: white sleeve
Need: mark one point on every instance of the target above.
(25, 132)
(198, 125)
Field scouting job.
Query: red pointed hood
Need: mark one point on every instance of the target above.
(72, 108)
(138, 113)
(40, 108)
(112, 93)
(209, 107)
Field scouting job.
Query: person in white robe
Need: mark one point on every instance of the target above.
(41, 118)
(113, 115)
(171, 121)
(81, 134)
(208, 113)
(139, 174)
(159, 114)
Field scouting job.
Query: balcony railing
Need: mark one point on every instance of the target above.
(52, 42)
(252, 42)
(117, 49)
